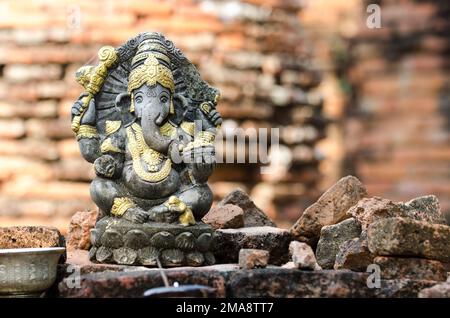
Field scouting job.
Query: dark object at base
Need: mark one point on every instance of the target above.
(198, 291)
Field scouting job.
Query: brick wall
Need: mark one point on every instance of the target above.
(254, 51)
(397, 132)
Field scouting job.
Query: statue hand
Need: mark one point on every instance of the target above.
(77, 106)
(214, 117)
(165, 214)
(89, 117)
(105, 166)
(135, 215)
(208, 112)
(201, 161)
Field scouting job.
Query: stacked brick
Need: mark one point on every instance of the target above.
(398, 128)
(252, 50)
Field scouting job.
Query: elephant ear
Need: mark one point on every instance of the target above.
(114, 86)
(188, 82)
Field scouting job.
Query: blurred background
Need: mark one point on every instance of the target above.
(348, 99)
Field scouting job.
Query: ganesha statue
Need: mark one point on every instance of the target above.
(147, 122)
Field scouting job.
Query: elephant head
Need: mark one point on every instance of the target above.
(152, 105)
(152, 87)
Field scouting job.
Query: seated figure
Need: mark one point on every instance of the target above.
(147, 122)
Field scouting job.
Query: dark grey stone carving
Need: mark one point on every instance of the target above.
(147, 122)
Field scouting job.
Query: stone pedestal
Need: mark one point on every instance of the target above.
(118, 241)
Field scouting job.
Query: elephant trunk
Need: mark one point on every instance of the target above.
(152, 118)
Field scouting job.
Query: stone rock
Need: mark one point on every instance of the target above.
(407, 237)
(414, 268)
(253, 216)
(133, 284)
(289, 283)
(253, 258)
(107, 280)
(78, 235)
(274, 240)
(303, 256)
(30, 236)
(437, 291)
(289, 265)
(370, 210)
(228, 216)
(425, 208)
(330, 209)
(354, 254)
(331, 238)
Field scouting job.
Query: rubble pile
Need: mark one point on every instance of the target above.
(332, 251)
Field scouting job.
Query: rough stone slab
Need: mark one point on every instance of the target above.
(425, 208)
(78, 235)
(228, 216)
(413, 268)
(253, 216)
(436, 291)
(302, 256)
(330, 209)
(229, 281)
(354, 254)
(134, 284)
(282, 282)
(230, 241)
(30, 236)
(253, 258)
(331, 238)
(370, 210)
(407, 237)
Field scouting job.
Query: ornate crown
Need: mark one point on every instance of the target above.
(150, 73)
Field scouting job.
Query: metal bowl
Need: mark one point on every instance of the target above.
(28, 272)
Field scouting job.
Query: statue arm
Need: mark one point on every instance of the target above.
(87, 134)
(89, 147)
(110, 163)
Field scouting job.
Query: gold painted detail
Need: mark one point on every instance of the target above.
(191, 177)
(87, 131)
(132, 103)
(111, 126)
(121, 205)
(150, 73)
(84, 74)
(188, 127)
(187, 217)
(168, 130)
(152, 45)
(202, 139)
(107, 146)
(145, 55)
(92, 79)
(145, 159)
(205, 107)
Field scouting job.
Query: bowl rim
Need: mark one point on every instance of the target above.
(32, 250)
